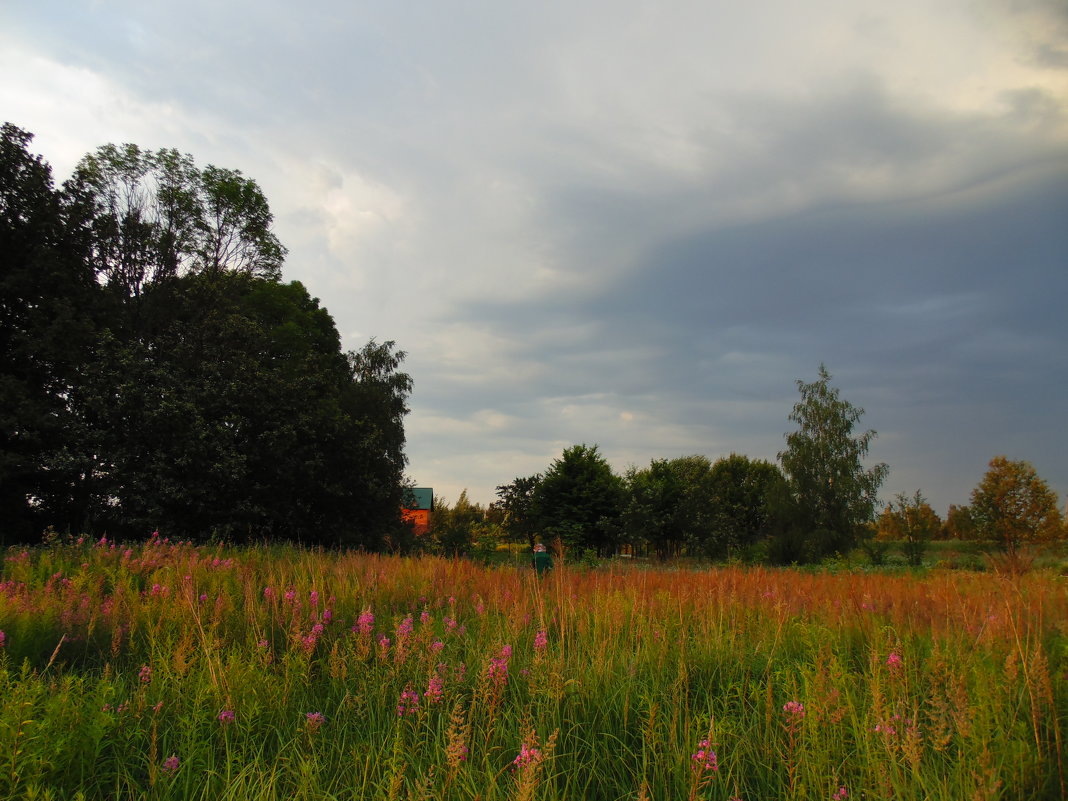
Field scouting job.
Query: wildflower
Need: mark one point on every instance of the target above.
(313, 598)
(365, 623)
(3, 639)
(170, 764)
(314, 720)
(328, 615)
(841, 794)
(145, 675)
(541, 641)
(894, 661)
(424, 617)
(408, 703)
(794, 710)
(268, 593)
(529, 757)
(291, 595)
(227, 716)
(436, 646)
(704, 758)
(262, 644)
(434, 691)
(497, 670)
(405, 628)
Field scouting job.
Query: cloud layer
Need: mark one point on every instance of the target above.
(630, 223)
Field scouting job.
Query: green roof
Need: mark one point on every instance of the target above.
(419, 498)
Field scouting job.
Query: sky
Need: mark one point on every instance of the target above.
(633, 224)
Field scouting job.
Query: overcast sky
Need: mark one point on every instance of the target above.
(629, 223)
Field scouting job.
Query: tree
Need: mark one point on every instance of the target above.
(516, 505)
(960, 524)
(46, 328)
(652, 512)
(740, 492)
(830, 495)
(578, 501)
(1012, 506)
(911, 520)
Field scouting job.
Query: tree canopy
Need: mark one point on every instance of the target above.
(1012, 505)
(157, 373)
(830, 494)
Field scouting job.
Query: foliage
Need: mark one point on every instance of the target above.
(829, 496)
(1012, 505)
(911, 520)
(959, 524)
(741, 489)
(456, 529)
(515, 502)
(156, 371)
(46, 328)
(578, 501)
(652, 514)
(169, 671)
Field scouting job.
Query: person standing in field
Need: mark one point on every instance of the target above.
(542, 560)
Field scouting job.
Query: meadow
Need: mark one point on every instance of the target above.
(164, 670)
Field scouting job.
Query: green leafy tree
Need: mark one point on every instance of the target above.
(741, 489)
(912, 521)
(1012, 506)
(515, 504)
(652, 514)
(456, 529)
(829, 496)
(578, 501)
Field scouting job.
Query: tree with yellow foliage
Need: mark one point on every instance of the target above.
(1012, 505)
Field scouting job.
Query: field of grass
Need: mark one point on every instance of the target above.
(165, 670)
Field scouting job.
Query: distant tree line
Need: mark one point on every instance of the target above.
(157, 372)
(818, 501)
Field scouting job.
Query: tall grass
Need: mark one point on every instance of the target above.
(163, 670)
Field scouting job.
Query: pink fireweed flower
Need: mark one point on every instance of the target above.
(145, 674)
(529, 757)
(262, 644)
(268, 593)
(424, 617)
(227, 716)
(313, 598)
(498, 667)
(436, 647)
(404, 629)
(894, 661)
(408, 704)
(3, 639)
(365, 623)
(794, 710)
(704, 758)
(314, 720)
(170, 764)
(840, 794)
(434, 690)
(291, 595)
(328, 615)
(541, 641)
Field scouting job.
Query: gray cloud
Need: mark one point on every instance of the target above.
(633, 224)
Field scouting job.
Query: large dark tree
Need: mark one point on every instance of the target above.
(45, 330)
(578, 501)
(741, 490)
(186, 387)
(653, 513)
